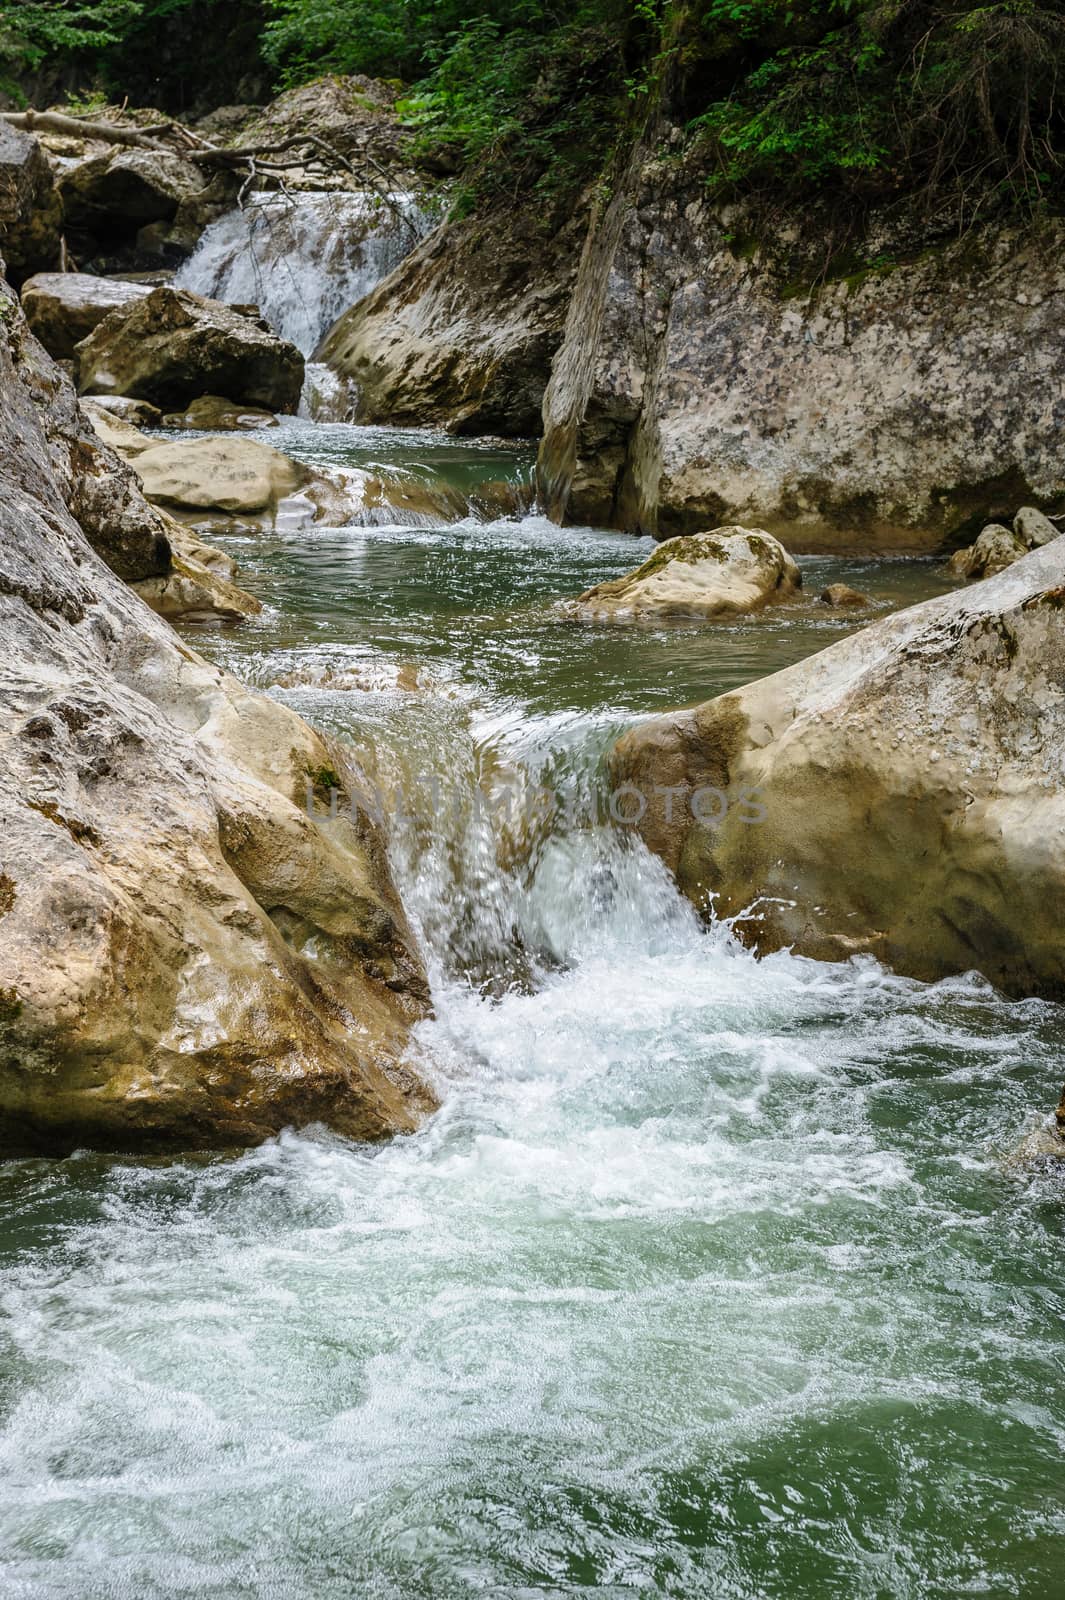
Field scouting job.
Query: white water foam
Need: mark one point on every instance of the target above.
(305, 259)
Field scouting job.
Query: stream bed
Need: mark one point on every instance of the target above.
(711, 1277)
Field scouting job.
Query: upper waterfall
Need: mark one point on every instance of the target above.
(304, 259)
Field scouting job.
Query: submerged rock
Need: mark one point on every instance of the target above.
(63, 308)
(900, 794)
(703, 575)
(841, 596)
(187, 958)
(172, 347)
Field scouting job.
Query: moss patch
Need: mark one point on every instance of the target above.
(80, 832)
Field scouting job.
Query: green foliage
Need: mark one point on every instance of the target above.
(873, 98)
(852, 102)
(31, 31)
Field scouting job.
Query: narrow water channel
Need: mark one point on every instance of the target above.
(711, 1277)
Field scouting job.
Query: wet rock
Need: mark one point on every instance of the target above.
(900, 794)
(701, 576)
(173, 346)
(195, 590)
(995, 549)
(30, 208)
(212, 412)
(63, 308)
(187, 958)
(840, 595)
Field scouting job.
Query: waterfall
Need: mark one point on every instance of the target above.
(306, 258)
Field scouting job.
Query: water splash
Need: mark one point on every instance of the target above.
(304, 259)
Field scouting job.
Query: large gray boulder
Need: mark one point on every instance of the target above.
(900, 794)
(30, 209)
(188, 959)
(63, 308)
(173, 346)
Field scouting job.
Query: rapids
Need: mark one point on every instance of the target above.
(711, 1276)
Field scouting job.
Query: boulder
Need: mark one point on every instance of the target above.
(200, 585)
(996, 548)
(701, 576)
(234, 475)
(841, 595)
(58, 458)
(1034, 528)
(63, 308)
(130, 204)
(173, 346)
(30, 209)
(900, 794)
(188, 958)
(240, 482)
(213, 413)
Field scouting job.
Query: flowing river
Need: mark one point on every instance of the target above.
(711, 1277)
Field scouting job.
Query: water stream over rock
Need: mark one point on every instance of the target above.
(710, 1278)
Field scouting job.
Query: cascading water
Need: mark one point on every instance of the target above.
(709, 1278)
(303, 260)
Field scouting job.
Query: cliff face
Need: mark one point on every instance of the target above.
(682, 383)
(888, 412)
(463, 331)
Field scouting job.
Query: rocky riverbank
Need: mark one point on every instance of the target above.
(188, 958)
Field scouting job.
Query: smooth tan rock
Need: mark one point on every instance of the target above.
(63, 308)
(900, 794)
(174, 346)
(199, 586)
(115, 431)
(213, 413)
(841, 595)
(702, 576)
(187, 958)
(233, 481)
(227, 474)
